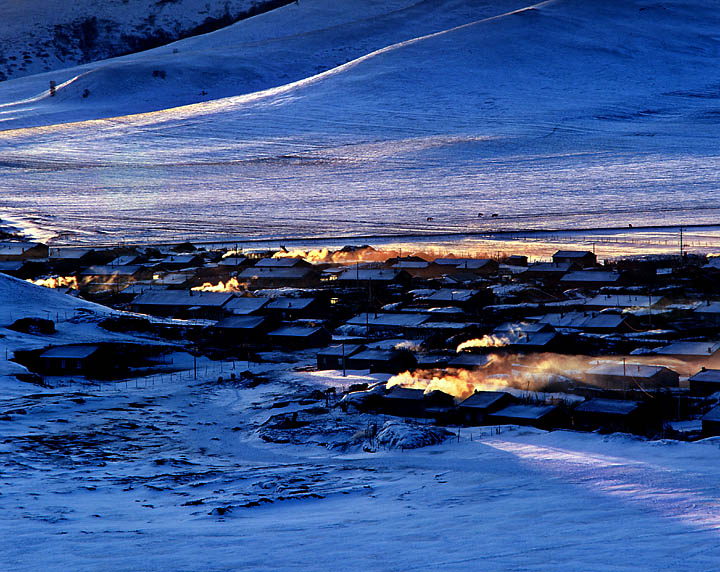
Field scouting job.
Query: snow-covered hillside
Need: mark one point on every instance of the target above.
(555, 115)
(41, 36)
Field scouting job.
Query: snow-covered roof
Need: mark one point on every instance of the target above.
(15, 248)
(295, 331)
(572, 254)
(288, 303)
(398, 392)
(411, 264)
(450, 295)
(709, 308)
(635, 370)
(346, 349)
(690, 349)
(609, 406)
(370, 274)
(525, 411)
(591, 276)
(106, 270)
(707, 376)
(69, 352)
(284, 262)
(549, 267)
(483, 399)
(623, 301)
(713, 414)
(466, 360)
(240, 322)
(275, 272)
(183, 298)
(245, 305)
(400, 320)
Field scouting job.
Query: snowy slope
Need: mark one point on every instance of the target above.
(53, 34)
(563, 114)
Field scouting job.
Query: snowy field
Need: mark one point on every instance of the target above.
(174, 472)
(371, 119)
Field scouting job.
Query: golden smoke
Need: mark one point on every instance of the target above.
(57, 282)
(489, 341)
(231, 285)
(527, 373)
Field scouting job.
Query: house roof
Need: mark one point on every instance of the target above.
(14, 248)
(525, 411)
(711, 308)
(635, 370)
(608, 406)
(483, 399)
(370, 274)
(275, 272)
(348, 350)
(572, 254)
(713, 414)
(66, 253)
(398, 392)
(469, 263)
(106, 270)
(11, 265)
(179, 259)
(183, 298)
(450, 295)
(232, 261)
(245, 305)
(522, 327)
(288, 303)
(69, 352)
(623, 301)
(401, 320)
(707, 376)
(591, 276)
(580, 321)
(550, 267)
(690, 349)
(468, 360)
(294, 331)
(376, 355)
(414, 264)
(240, 322)
(283, 262)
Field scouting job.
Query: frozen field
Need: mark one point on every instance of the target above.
(366, 121)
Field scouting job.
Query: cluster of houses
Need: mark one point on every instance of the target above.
(647, 328)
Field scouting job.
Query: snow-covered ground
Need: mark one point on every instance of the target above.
(254, 472)
(371, 118)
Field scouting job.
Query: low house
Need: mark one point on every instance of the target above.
(475, 409)
(708, 313)
(183, 303)
(581, 258)
(298, 337)
(589, 279)
(547, 271)
(624, 301)
(705, 382)
(66, 259)
(541, 416)
(16, 250)
(382, 361)
(609, 415)
(72, 359)
(278, 276)
(246, 305)
(282, 262)
(335, 357)
(408, 402)
(469, 360)
(631, 376)
(695, 352)
(465, 298)
(179, 261)
(404, 324)
(711, 422)
(98, 278)
(287, 308)
(420, 269)
(477, 266)
(360, 277)
(240, 330)
(587, 322)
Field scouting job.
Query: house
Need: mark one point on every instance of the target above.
(298, 337)
(610, 415)
(631, 376)
(711, 422)
(183, 303)
(705, 382)
(287, 308)
(360, 277)
(179, 261)
(420, 269)
(624, 301)
(71, 359)
(541, 416)
(708, 313)
(580, 258)
(475, 409)
(243, 329)
(279, 276)
(405, 324)
(15, 251)
(409, 402)
(587, 322)
(469, 360)
(516, 260)
(547, 271)
(67, 259)
(282, 262)
(469, 300)
(335, 357)
(98, 278)
(478, 266)
(589, 279)
(697, 352)
(246, 305)
(382, 361)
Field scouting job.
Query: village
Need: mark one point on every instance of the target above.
(623, 345)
